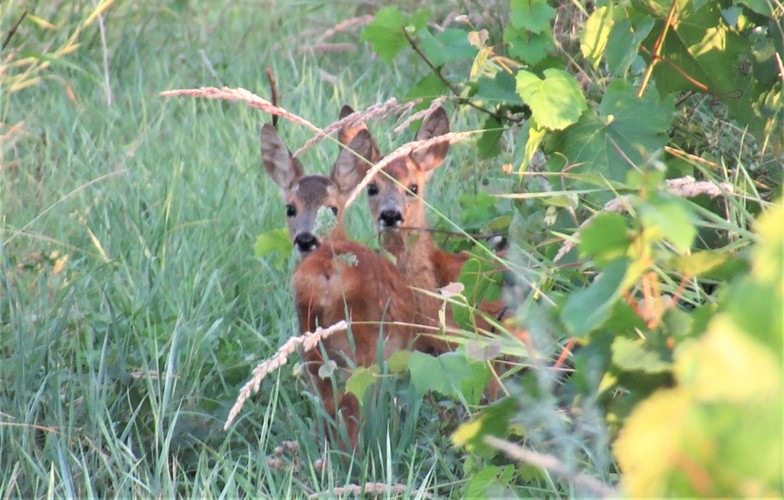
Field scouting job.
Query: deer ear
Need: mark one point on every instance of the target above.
(345, 134)
(435, 124)
(349, 168)
(276, 158)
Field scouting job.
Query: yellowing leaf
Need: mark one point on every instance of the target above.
(726, 365)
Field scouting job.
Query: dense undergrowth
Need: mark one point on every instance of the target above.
(630, 154)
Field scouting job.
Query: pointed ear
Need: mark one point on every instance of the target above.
(345, 134)
(350, 169)
(435, 124)
(277, 160)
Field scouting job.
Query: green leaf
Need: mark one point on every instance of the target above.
(605, 238)
(625, 123)
(587, 309)
(398, 361)
(531, 15)
(596, 31)
(385, 32)
(623, 44)
(555, 101)
(428, 88)
(498, 90)
(360, 379)
(637, 355)
(669, 217)
(452, 374)
(490, 482)
(489, 143)
(529, 47)
(275, 242)
(447, 46)
(491, 421)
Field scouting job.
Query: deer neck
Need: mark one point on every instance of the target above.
(411, 247)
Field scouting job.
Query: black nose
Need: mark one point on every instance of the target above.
(390, 218)
(306, 242)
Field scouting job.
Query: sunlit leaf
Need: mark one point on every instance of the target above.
(639, 355)
(361, 378)
(491, 421)
(606, 143)
(385, 32)
(555, 101)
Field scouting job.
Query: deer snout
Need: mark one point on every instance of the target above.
(305, 243)
(390, 218)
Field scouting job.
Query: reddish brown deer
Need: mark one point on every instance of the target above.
(338, 279)
(395, 197)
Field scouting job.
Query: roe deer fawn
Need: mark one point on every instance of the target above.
(338, 279)
(396, 203)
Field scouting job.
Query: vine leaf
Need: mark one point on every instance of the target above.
(624, 128)
(555, 101)
(385, 32)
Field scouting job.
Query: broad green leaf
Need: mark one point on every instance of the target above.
(452, 374)
(398, 361)
(531, 15)
(490, 482)
(596, 31)
(604, 143)
(361, 378)
(526, 46)
(555, 101)
(585, 310)
(764, 7)
(605, 238)
(276, 243)
(498, 90)
(623, 44)
(669, 217)
(428, 88)
(638, 355)
(489, 143)
(385, 32)
(491, 421)
(447, 46)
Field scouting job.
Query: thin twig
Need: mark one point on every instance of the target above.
(551, 464)
(452, 88)
(273, 83)
(12, 31)
(657, 48)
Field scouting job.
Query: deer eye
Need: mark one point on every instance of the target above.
(372, 189)
(291, 211)
(334, 210)
(413, 189)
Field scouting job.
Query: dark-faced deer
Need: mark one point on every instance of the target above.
(338, 279)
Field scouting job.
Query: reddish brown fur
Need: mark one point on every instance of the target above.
(339, 276)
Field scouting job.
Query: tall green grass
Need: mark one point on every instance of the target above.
(131, 305)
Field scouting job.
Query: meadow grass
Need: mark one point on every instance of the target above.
(132, 306)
